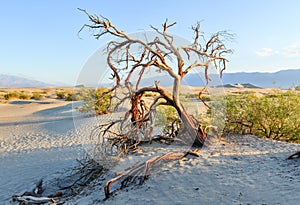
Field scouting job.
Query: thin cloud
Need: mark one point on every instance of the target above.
(265, 52)
(292, 51)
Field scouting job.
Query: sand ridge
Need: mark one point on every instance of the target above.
(232, 170)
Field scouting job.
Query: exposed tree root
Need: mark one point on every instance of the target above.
(140, 171)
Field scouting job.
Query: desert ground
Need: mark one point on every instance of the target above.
(42, 138)
(37, 140)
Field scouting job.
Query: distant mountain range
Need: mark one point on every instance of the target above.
(15, 81)
(282, 79)
(243, 85)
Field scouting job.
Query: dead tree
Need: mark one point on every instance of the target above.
(158, 55)
(129, 59)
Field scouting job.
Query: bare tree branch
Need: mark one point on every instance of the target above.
(155, 55)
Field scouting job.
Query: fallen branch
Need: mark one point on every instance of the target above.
(141, 170)
(35, 200)
(295, 155)
(34, 197)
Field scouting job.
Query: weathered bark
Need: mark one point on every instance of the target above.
(141, 170)
(33, 199)
(192, 131)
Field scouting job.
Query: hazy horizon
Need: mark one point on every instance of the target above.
(284, 79)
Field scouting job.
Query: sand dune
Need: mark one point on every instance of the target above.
(236, 170)
(39, 139)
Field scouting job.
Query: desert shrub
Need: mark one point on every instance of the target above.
(297, 87)
(61, 94)
(16, 95)
(2, 99)
(11, 95)
(97, 100)
(78, 94)
(167, 118)
(24, 96)
(150, 94)
(74, 97)
(190, 95)
(70, 97)
(85, 94)
(81, 94)
(196, 95)
(215, 115)
(275, 116)
(205, 98)
(36, 95)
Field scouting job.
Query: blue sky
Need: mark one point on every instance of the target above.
(39, 38)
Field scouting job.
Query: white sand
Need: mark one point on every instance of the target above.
(238, 170)
(37, 139)
(41, 140)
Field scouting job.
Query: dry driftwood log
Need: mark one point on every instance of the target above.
(34, 200)
(140, 171)
(35, 196)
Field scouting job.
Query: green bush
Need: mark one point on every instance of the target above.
(16, 95)
(11, 95)
(85, 94)
(297, 88)
(71, 97)
(190, 95)
(97, 101)
(167, 118)
(61, 94)
(150, 94)
(206, 98)
(24, 96)
(36, 95)
(2, 99)
(275, 116)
